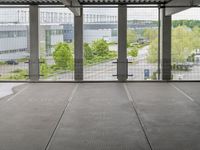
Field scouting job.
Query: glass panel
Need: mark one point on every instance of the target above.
(186, 45)
(142, 43)
(56, 44)
(100, 43)
(14, 52)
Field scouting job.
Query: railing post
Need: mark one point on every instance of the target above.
(122, 62)
(78, 46)
(165, 44)
(34, 69)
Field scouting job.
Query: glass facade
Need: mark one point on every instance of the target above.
(142, 43)
(186, 45)
(100, 36)
(56, 44)
(14, 51)
(100, 43)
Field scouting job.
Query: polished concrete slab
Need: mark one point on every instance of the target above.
(171, 120)
(101, 116)
(191, 89)
(28, 119)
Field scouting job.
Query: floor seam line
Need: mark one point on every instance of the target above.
(182, 92)
(138, 116)
(16, 94)
(61, 116)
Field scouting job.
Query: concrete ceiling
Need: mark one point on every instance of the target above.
(90, 2)
(29, 2)
(82, 2)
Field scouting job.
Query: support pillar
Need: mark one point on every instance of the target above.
(34, 70)
(122, 62)
(78, 46)
(165, 44)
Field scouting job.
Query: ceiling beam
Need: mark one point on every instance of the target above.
(176, 6)
(73, 5)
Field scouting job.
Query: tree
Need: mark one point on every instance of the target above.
(185, 40)
(187, 23)
(131, 36)
(88, 52)
(63, 56)
(153, 51)
(150, 34)
(100, 47)
(133, 52)
(195, 38)
(182, 44)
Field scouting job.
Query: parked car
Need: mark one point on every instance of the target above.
(190, 64)
(11, 62)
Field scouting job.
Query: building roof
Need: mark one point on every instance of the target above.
(82, 2)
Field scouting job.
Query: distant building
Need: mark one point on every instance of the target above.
(55, 26)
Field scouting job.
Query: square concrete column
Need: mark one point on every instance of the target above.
(34, 69)
(122, 62)
(78, 46)
(165, 45)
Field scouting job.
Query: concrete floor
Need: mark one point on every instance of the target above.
(101, 116)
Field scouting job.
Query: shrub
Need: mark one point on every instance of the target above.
(63, 56)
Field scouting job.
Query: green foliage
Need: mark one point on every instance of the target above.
(44, 70)
(150, 34)
(88, 52)
(18, 74)
(187, 23)
(131, 36)
(154, 76)
(195, 37)
(97, 52)
(63, 56)
(133, 52)
(100, 47)
(191, 58)
(182, 43)
(153, 51)
(185, 41)
(42, 49)
(2, 63)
